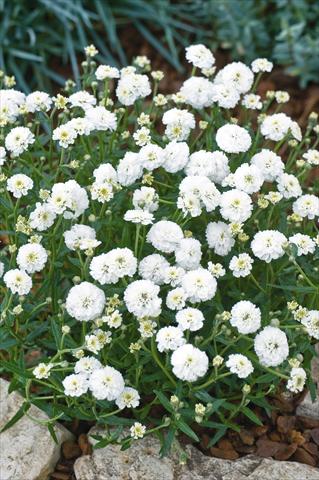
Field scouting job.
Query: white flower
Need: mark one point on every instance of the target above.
(261, 65)
(165, 236)
(297, 380)
(190, 319)
(248, 178)
(137, 430)
(38, 101)
(246, 317)
(225, 95)
(76, 126)
(145, 198)
(271, 346)
(153, 267)
(142, 136)
(104, 72)
(304, 243)
(105, 173)
(252, 101)
(188, 253)
(18, 140)
(131, 87)
(176, 298)
(143, 217)
(128, 398)
(178, 123)
(75, 385)
(1, 269)
(312, 157)
(198, 92)
(289, 186)
(65, 135)
(236, 75)
(85, 302)
(275, 127)
(147, 328)
(241, 265)
(200, 56)
(92, 344)
(307, 206)
(282, 96)
(129, 169)
(18, 281)
(200, 285)
(173, 275)
(189, 363)
(196, 192)
(82, 99)
(2, 156)
(80, 237)
(87, 365)
(68, 198)
(176, 155)
(42, 217)
(19, 185)
(114, 320)
(239, 365)
(108, 268)
(295, 131)
(151, 156)
(141, 299)
(268, 245)
(269, 163)
(169, 338)
(101, 118)
(235, 206)
(32, 257)
(106, 383)
(216, 269)
(311, 322)
(219, 237)
(213, 165)
(42, 370)
(233, 139)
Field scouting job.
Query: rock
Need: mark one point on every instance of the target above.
(308, 408)
(28, 451)
(142, 461)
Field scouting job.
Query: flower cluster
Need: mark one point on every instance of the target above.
(158, 248)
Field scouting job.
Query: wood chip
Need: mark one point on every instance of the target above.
(285, 423)
(267, 448)
(302, 456)
(230, 454)
(71, 450)
(246, 437)
(285, 451)
(84, 444)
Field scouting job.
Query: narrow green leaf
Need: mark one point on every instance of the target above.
(181, 425)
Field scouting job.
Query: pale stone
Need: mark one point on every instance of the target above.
(28, 451)
(142, 462)
(308, 408)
